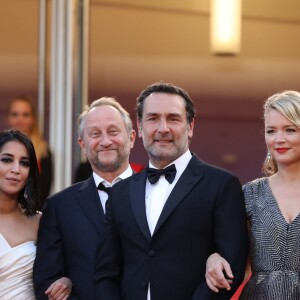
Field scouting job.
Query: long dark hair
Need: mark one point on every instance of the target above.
(29, 195)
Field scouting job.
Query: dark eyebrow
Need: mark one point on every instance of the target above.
(7, 154)
(152, 114)
(174, 115)
(168, 115)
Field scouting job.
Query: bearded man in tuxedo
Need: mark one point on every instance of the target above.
(164, 222)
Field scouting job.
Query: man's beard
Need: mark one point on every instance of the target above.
(109, 167)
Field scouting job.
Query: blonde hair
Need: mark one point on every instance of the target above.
(40, 145)
(288, 104)
(108, 101)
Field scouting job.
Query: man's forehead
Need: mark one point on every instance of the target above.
(104, 122)
(103, 125)
(160, 99)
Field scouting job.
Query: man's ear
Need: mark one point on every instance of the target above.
(139, 126)
(132, 138)
(191, 129)
(81, 144)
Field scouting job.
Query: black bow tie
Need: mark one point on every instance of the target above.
(102, 187)
(154, 174)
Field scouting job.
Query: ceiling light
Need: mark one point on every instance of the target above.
(225, 22)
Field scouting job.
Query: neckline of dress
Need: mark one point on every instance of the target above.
(13, 247)
(277, 206)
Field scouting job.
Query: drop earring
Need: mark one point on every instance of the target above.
(269, 157)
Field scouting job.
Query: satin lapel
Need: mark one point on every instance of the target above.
(189, 178)
(137, 199)
(88, 200)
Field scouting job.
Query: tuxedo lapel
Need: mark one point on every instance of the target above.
(137, 199)
(189, 178)
(88, 200)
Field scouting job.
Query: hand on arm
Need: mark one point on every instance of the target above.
(216, 266)
(60, 289)
(230, 238)
(49, 263)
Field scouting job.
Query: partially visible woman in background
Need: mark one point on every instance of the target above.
(21, 115)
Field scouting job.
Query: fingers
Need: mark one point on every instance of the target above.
(217, 280)
(212, 284)
(58, 295)
(227, 269)
(216, 266)
(60, 289)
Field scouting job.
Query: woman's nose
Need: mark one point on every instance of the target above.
(15, 167)
(279, 136)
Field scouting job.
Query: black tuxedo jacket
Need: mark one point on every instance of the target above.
(70, 230)
(204, 213)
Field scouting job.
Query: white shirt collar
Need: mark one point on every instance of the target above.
(180, 163)
(98, 179)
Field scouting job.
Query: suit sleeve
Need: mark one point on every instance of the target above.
(46, 178)
(108, 263)
(49, 264)
(230, 237)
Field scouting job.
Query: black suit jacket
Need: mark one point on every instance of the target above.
(204, 213)
(70, 230)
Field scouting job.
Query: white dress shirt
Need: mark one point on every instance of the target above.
(103, 195)
(157, 194)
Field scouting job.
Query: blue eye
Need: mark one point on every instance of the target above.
(271, 131)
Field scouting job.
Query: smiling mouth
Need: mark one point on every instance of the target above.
(281, 150)
(163, 141)
(107, 150)
(13, 179)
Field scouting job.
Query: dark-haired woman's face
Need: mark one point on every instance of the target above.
(21, 117)
(14, 168)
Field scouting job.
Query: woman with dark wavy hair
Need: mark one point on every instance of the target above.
(19, 217)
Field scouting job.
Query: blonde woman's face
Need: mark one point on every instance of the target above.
(20, 117)
(282, 138)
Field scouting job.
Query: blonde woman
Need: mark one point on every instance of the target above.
(21, 115)
(273, 210)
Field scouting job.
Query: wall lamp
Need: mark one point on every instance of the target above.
(225, 26)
